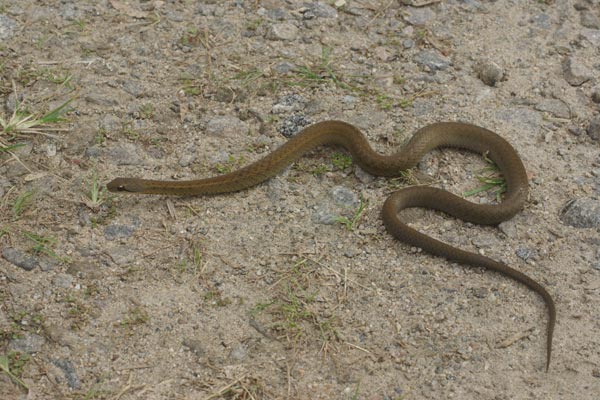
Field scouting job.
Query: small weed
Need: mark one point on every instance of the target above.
(319, 74)
(230, 164)
(42, 244)
(101, 136)
(351, 224)
(4, 231)
(97, 194)
(12, 365)
(147, 111)
(319, 170)
(293, 307)
(129, 132)
(247, 78)
(21, 203)
(59, 76)
(254, 24)
(491, 180)
(135, 316)
(78, 313)
(24, 320)
(25, 123)
(191, 87)
(341, 161)
(215, 297)
(193, 265)
(384, 101)
(191, 38)
(80, 24)
(404, 178)
(11, 147)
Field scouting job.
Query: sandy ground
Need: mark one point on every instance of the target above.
(265, 294)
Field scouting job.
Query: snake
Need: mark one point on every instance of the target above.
(437, 135)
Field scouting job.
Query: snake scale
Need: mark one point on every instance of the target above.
(444, 134)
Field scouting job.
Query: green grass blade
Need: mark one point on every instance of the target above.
(54, 115)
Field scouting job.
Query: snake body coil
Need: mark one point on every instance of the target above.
(445, 134)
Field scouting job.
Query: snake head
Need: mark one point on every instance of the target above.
(120, 185)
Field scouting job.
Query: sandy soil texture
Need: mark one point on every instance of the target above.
(292, 289)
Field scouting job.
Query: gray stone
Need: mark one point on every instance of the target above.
(20, 259)
(93, 152)
(121, 255)
(320, 10)
(591, 35)
(239, 352)
(509, 228)
(363, 175)
(541, 20)
(589, 20)
(345, 197)
(432, 60)
(7, 27)
(187, 158)
(226, 126)
(278, 14)
(325, 215)
(408, 43)
(283, 31)
(110, 123)
(134, 88)
(582, 213)
(292, 124)
(556, 107)
(485, 241)
(101, 99)
(526, 254)
(521, 118)
(71, 12)
(70, 373)
(419, 16)
(593, 129)
(64, 281)
(489, 73)
(596, 94)
(28, 343)
(196, 346)
(285, 67)
(289, 103)
(118, 231)
(220, 157)
(575, 72)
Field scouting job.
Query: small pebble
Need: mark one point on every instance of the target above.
(7, 27)
(282, 31)
(20, 259)
(432, 60)
(293, 124)
(226, 126)
(593, 129)
(70, 373)
(489, 73)
(575, 72)
(582, 213)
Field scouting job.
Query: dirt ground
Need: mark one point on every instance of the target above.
(292, 289)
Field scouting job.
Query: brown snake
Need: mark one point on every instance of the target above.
(445, 134)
